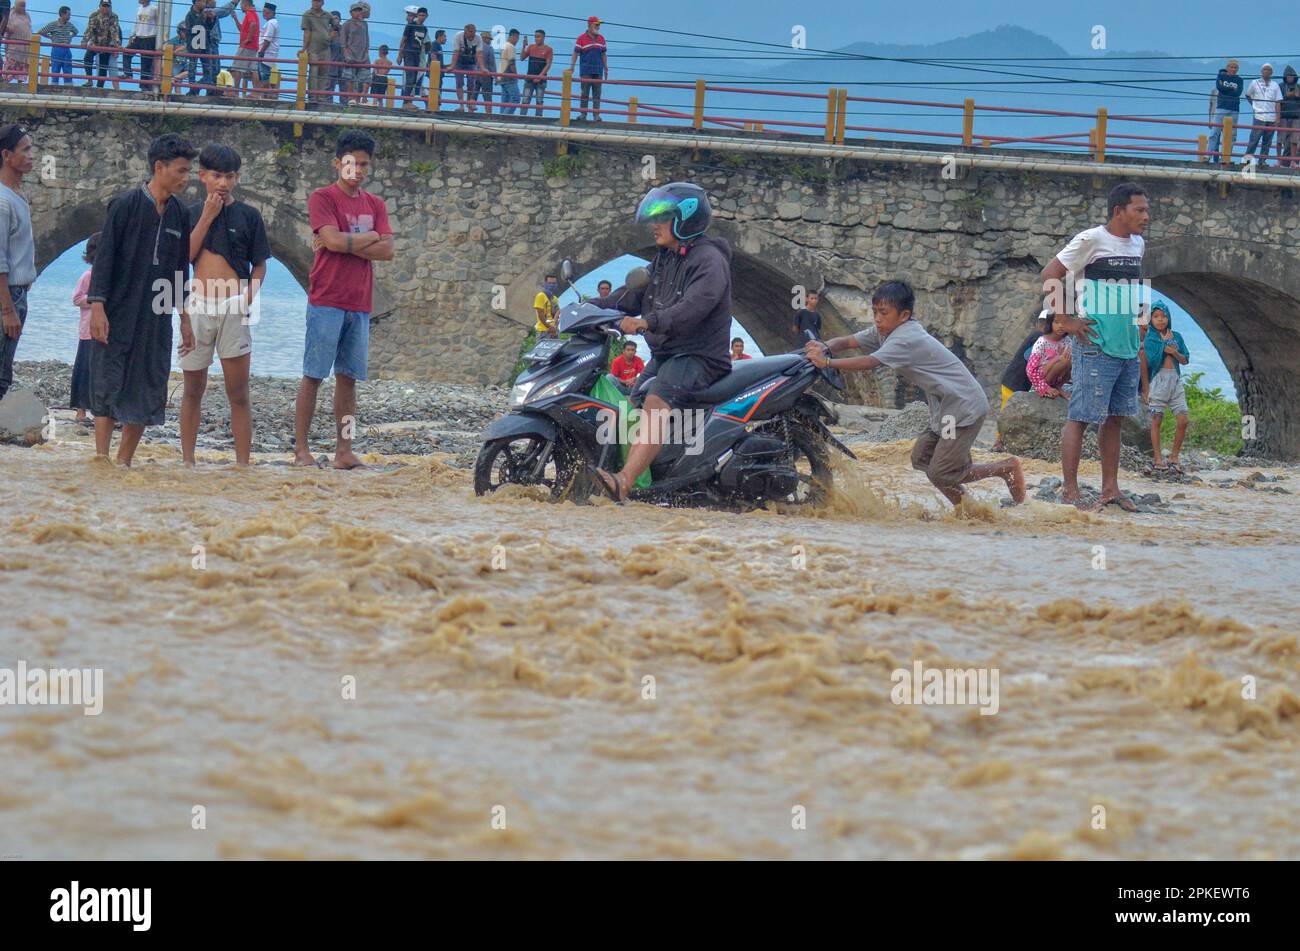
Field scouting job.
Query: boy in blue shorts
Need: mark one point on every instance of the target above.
(350, 228)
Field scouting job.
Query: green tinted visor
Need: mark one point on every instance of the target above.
(658, 205)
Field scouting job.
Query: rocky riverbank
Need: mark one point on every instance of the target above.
(393, 418)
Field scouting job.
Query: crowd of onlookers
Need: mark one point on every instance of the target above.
(1043, 364)
(1274, 107)
(486, 70)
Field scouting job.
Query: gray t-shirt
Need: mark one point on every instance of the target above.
(950, 390)
(355, 36)
(17, 247)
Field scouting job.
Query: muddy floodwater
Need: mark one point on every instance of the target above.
(379, 664)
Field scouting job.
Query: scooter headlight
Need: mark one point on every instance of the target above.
(551, 389)
(519, 394)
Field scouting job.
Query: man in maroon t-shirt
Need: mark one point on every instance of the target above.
(350, 228)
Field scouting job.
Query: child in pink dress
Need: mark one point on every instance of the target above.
(81, 368)
(1049, 361)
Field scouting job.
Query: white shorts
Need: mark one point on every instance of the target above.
(1166, 393)
(220, 326)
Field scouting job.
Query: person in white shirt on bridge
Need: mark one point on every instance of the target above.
(269, 49)
(1266, 100)
(144, 38)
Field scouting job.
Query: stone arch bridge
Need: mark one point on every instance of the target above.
(481, 218)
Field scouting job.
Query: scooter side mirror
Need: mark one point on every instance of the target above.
(566, 271)
(636, 279)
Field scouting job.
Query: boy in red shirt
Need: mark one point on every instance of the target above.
(627, 366)
(351, 230)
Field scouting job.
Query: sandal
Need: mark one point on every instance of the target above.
(1121, 501)
(609, 484)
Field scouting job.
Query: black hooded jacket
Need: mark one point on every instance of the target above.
(687, 302)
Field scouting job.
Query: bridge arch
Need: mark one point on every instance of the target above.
(1245, 295)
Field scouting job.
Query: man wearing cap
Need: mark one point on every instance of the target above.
(268, 50)
(316, 31)
(355, 37)
(1266, 103)
(509, 74)
(1225, 102)
(590, 51)
(17, 247)
(409, 53)
(102, 30)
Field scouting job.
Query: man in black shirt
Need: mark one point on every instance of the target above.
(229, 248)
(137, 280)
(410, 52)
(808, 319)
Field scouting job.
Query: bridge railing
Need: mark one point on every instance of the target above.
(832, 115)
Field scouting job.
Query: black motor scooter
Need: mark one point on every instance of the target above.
(756, 435)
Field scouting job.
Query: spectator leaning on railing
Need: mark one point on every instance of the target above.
(4, 24)
(213, 23)
(18, 32)
(195, 38)
(509, 77)
(335, 56)
(466, 56)
(355, 37)
(61, 33)
(410, 52)
(485, 83)
(268, 49)
(1288, 140)
(143, 39)
(102, 30)
(316, 31)
(379, 76)
(1266, 101)
(1225, 102)
(245, 65)
(539, 57)
(590, 52)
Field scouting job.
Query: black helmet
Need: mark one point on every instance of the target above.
(686, 205)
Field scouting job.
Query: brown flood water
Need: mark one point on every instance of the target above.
(499, 649)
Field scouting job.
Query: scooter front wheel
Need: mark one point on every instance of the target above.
(518, 460)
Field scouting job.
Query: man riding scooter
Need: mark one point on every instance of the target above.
(685, 316)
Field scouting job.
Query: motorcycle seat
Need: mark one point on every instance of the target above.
(744, 375)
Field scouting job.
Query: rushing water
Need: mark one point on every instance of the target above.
(500, 651)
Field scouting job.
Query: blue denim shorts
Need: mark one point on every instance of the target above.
(1102, 385)
(337, 340)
